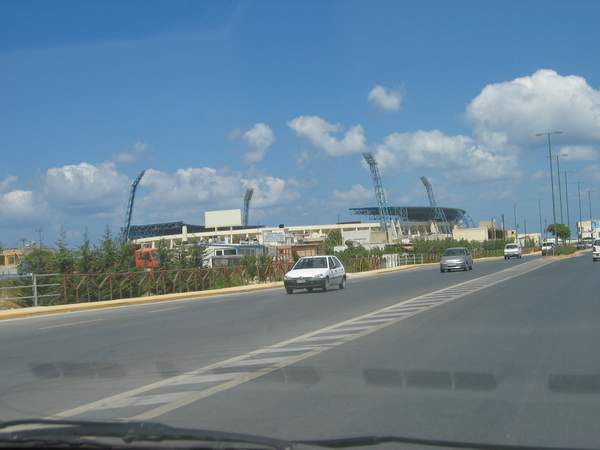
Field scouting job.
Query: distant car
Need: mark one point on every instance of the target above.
(596, 250)
(580, 245)
(312, 272)
(458, 258)
(548, 248)
(513, 251)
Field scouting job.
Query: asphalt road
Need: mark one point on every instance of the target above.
(509, 356)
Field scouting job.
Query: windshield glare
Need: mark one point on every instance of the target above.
(311, 263)
(454, 252)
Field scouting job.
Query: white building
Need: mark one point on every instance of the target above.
(588, 229)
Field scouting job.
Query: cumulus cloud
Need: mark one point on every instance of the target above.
(514, 111)
(386, 99)
(198, 188)
(8, 182)
(579, 153)
(85, 188)
(436, 150)
(137, 152)
(258, 138)
(20, 206)
(321, 134)
(357, 193)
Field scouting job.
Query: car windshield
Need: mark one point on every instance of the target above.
(454, 252)
(311, 263)
(302, 219)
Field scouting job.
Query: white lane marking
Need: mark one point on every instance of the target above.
(146, 400)
(327, 337)
(164, 309)
(304, 348)
(210, 378)
(242, 378)
(255, 362)
(70, 324)
(369, 321)
(344, 329)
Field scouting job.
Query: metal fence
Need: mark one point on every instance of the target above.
(29, 290)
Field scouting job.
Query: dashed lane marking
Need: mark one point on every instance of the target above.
(70, 324)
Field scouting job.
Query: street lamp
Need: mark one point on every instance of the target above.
(558, 156)
(566, 172)
(548, 134)
(589, 192)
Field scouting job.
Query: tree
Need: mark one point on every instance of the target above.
(333, 238)
(37, 261)
(164, 254)
(107, 253)
(64, 261)
(85, 261)
(560, 230)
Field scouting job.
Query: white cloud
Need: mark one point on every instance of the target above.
(138, 151)
(580, 153)
(189, 191)
(85, 188)
(259, 138)
(386, 99)
(19, 206)
(7, 183)
(514, 111)
(320, 133)
(435, 150)
(356, 193)
(540, 174)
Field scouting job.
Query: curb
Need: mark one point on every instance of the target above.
(18, 313)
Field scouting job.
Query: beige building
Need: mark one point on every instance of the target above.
(484, 232)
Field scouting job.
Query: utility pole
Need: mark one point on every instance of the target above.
(579, 234)
(39, 232)
(562, 220)
(589, 193)
(567, 196)
(548, 134)
(540, 213)
(516, 225)
(503, 227)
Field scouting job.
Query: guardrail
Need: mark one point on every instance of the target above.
(29, 290)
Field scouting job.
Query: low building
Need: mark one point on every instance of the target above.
(9, 261)
(486, 231)
(588, 229)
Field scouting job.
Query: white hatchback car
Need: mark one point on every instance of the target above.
(596, 250)
(512, 251)
(319, 272)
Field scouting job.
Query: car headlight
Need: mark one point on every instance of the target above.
(321, 275)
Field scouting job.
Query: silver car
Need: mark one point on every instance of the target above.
(458, 258)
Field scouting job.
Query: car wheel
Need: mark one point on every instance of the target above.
(289, 290)
(471, 267)
(309, 289)
(442, 270)
(326, 284)
(343, 283)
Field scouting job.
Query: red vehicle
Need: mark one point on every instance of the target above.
(146, 258)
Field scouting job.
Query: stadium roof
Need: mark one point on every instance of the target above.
(414, 213)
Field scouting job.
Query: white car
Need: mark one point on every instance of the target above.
(513, 251)
(596, 250)
(311, 272)
(548, 248)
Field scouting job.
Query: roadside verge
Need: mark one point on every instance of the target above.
(195, 295)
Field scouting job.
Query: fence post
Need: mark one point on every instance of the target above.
(34, 287)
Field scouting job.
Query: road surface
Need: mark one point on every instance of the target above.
(503, 354)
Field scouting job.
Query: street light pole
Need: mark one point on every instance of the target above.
(548, 134)
(562, 221)
(579, 234)
(540, 212)
(589, 193)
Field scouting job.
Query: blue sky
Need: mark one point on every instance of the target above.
(213, 97)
